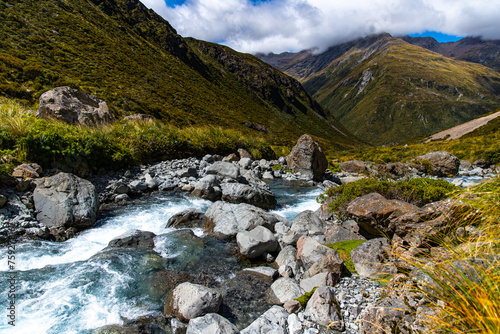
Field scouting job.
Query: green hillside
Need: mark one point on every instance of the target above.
(129, 56)
(388, 91)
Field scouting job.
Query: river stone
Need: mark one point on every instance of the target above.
(256, 242)
(323, 309)
(208, 187)
(283, 290)
(178, 327)
(288, 257)
(190, 217)
(274, 321)
(443, 163)
(250, 194)
(292, 306)
(321, 279)
(188, 301)
(73, 106)
(223, 169)
(291, 238)
(230, 157)
(353, 166)
(309, 251)
(338, 233)
(245, 163)
(309, 223)
(266, 271)
(134, 239)
(307, 158)
(227, 219)
(372, 258)
(65, 200)
(211, 323)
(27, 171)
(331, 263)
(160, 283)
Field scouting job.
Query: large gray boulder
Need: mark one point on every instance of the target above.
(256, 242)
(288, 257)
(443, 163)
(309, 251)
(372, 258)
(211, 323)
(224, 170)
(282, 290)
(307, 158)
(248, 193)
(188, 301)
(227, 219)
(308, 223)
(190, 217)
(274, 321)
(73, 106)
(65, 201)
(323, 309)
(208, 187)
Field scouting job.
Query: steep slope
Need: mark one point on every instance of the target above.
(128, 55)
(473, 49)
(386, 91)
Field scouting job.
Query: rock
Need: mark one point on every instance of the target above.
(178, 327)
(330, 263)
(245, 163)
(353, 166)
(482, 163)
(385, 316)
(188, 301)
(282, 290)
(138, 186)
(350, 178)
(395, 170)
(309, 251)
(378, 215)
(27, 171)
(465, 165)
(187, 188)
(211, 323)
(119, 187)
(208, 188)
(256, 126)
(268, 176)
(73, 106)
(160, 283)
(65, 200)
(321, 279)
(372, 258)
(291, 238)
(443, 163)
(187, 172)
(227, 219)
(288, 257)
(244, 154)
(292, 306)
(134, 239)
(266, 271)
(294, 324)
(307, 158)
(250, 194)
(255, 242)
(3, 201)
(150, 181)
(343, 232)
(223, 170)
(309, 223)
(230, 157)
(190, 217)
(274, 321)
(139, 118)
(323, 309)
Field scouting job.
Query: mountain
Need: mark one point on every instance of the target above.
(129, 56)
(473, 49)
(387, 91)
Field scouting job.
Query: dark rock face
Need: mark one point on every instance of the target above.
(307, 158)
(443, 163)
(187, 218)
(65, 201)
(134, 239)
(73, 106)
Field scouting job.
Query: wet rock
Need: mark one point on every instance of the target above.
(307, 158)
(190, 217)
(372, 258)
(323, 309)
(134, 239)
(275, 321)
(255, 242)
(282, 290)
(443, 163)
(73, 106)
(160, 283)
(188, 301)
(65, 201)
(266, 271)
(211, 323)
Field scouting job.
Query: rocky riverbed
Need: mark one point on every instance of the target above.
(215, 242)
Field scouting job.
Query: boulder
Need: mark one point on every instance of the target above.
(395, 170)
(309, 251)
(330, 263)
(230, 157)
(309, 223)
(443, 163)
(323, 309)
(245, 163)
(188, 301)
(208, 187)
(65, 201)
(385, 316)
(265, 271)
(255, 242)
(244, 154)
(321, 279)
(307, 158)
(292, 306)
(372, 258)
(288, 257)
(190, 217)
(134, 239)
(343, 232)
(482, 163)
(353, 166)
(73, 106)
(282, 290)
(378, 215)
(211, 323)
(223, 169)
(27, 171)
(274, 321)
(251, 194)
(227, 219)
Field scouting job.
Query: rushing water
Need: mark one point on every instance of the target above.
(73, 287)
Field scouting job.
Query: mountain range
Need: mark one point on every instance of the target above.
(386, 90)
(126, 54)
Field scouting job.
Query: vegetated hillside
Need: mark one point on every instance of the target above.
(473, 49)
(129, 56)
(386, 91)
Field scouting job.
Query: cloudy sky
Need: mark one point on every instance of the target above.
(293, 25)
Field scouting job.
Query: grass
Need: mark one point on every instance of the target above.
(344, 249)
(55, 144)
(305, 297)
(465, 282)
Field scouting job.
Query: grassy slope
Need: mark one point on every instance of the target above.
(129, 56)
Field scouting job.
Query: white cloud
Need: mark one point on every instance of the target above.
(293, 25)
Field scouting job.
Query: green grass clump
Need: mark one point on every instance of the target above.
(305, 297)
(418, 191)
(344, 249)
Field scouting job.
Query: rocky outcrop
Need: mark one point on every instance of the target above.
(73, 106)
(442, 163)
(65, 201)
(188, 301)
(307, 158)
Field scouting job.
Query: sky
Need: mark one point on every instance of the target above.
(292, 25)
